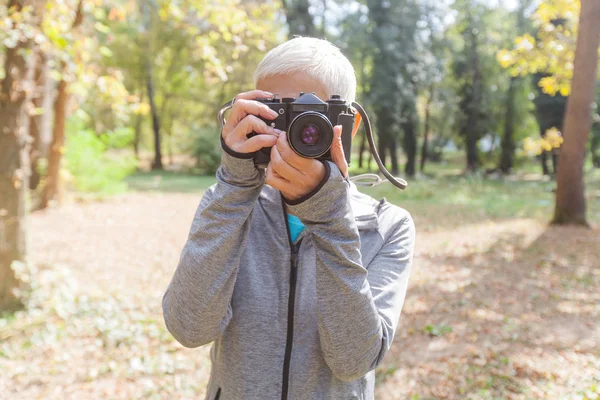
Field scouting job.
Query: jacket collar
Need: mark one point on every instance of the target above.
(364, 207)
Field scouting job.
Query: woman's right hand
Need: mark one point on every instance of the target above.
(243, 120)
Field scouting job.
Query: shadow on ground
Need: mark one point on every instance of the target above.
(513, 315)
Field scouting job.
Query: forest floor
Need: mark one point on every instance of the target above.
(500, 305)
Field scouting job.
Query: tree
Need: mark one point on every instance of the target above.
(15, 96)
(299, 20)
(58, 131)
(473, 114)
(570, 197)
(549, 64)
(549, 113)
(35, 120)
(595, 141)
(508, 138)
(394, 78)
(149, 14)
(434, 60)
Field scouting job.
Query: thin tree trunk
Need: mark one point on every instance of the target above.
(369, 161)
(361, 149)
(382, 148)
(137, 136)
(410, 147)
(595, 145)
(15, 95)
(508, 142)
(393, 148)
(35, 120)
(298, 17)
(58, 131)
(157, 164)
(570, 196)
(426, 128)
(170, 142)
(324, 21)
(138, 123)
(56, 146)
(472, 156)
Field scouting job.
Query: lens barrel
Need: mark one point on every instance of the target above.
(310, 134)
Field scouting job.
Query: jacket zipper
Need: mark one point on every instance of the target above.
(291, 302)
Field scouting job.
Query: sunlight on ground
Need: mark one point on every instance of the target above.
(497, 308)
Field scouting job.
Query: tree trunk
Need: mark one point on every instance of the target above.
(35, 120)
(56, 146)
(361, 150)
(382, 148)
(137, 136)
(58, 131)
(472, 156)
(15, 96)
(324, 21)
(157, 164)
(410, 147)
(508, 141)
(426, 129)
(393, 147)
(595, 145)
(544, 162)
(570, 197)
(299, 19)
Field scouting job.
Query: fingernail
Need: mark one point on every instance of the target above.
(273, 113)
(277, 131)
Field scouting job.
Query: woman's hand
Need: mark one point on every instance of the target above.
(295, 176)
(243, 120)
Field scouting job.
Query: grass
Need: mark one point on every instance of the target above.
(167, 181)
(493, 310)
(444, 192)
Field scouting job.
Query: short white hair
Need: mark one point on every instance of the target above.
(318, 58)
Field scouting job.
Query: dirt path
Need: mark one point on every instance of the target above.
(497, 309)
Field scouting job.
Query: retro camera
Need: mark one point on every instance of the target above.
(309, 123)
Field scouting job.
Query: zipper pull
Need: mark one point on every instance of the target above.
(296, 250)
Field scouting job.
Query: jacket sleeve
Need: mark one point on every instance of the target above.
(196, 304)
(357, 311)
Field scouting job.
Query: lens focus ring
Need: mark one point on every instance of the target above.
(310, 134)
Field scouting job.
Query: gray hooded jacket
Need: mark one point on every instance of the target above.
(304, 320)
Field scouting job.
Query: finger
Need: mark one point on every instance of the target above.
(337, 151)
(241, 108)
(237, 139)
(302, 164)
(249, 124)
(282, 168)
(253, 94)
(257, 142)
(275, 180)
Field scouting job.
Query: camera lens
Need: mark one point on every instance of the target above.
(310, 135)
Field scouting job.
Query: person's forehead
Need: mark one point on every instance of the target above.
(290, 85)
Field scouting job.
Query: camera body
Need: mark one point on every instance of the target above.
(309, 123)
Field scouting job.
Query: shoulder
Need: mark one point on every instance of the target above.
(391, 220)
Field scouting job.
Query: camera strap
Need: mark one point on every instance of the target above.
(398, 182)
(222, 111)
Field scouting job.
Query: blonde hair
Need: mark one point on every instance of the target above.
(318, 58)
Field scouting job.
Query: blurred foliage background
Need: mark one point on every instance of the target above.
(117, 99)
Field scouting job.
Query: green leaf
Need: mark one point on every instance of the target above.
(101, 27)
(105, 51)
